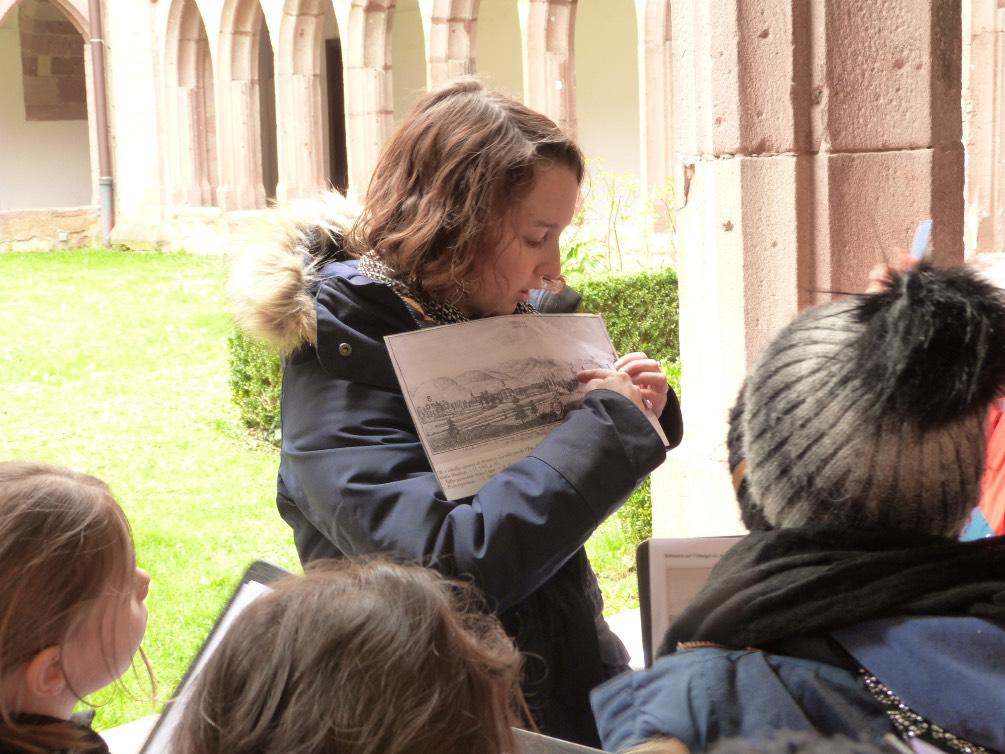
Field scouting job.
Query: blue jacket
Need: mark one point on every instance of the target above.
(949, 670)
(354, 479)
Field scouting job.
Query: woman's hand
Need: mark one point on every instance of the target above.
(609, 379)
(648, 376)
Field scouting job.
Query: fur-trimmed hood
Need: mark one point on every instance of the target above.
(271, 285)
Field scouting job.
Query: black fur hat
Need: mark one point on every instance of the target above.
(869, 411)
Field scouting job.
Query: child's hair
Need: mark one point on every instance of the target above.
(63, 541)
(461, 159)
(358, 657)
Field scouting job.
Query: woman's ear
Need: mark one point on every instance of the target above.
(43, 674)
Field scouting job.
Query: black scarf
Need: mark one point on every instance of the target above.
(783, 583)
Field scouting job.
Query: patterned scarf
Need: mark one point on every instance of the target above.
(442, 313)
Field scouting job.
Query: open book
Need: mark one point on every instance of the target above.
(484, 393)
(671, 572)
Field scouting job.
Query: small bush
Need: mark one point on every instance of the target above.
(640, 312)
(255, 379)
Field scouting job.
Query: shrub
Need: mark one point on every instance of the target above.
(255, 378)
(640, 311)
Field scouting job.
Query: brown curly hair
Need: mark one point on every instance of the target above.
(358, 656)
(447, 178)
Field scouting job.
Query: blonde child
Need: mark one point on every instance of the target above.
(71, 604)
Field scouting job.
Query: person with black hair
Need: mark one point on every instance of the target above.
(856, 446)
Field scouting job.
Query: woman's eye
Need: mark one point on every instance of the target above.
(535, 242)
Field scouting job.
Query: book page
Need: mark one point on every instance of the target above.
(484, 393)
(678, 569)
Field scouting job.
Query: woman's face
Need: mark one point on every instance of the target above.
(528, 251)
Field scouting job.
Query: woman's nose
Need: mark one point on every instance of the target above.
(551, 265)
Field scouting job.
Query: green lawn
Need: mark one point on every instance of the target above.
(115, 363)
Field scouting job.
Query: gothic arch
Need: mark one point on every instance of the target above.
(76, 13)
(192, 142)
(49, 129)
(246, 138)
(549, 75)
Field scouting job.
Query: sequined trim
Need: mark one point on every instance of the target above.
(910, 724)
(441, 313)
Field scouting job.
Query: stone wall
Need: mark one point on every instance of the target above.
(52, 64)
(43, 229)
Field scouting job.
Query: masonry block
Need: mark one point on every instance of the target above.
(873, 206)
(892, 76)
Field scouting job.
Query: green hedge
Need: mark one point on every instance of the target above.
(255, 379)
(640, 311)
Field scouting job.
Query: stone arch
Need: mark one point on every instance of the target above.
(75, 12)
(46, 106)
(498, 59)
(311, 110)
(657, 91)
(246, 127)
(369, 88)
(450, 41)
(193, 165)
(549, 75)
(409, 73)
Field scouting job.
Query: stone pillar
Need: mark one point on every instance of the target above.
(655, 56)
(239, 118)
(548, 28)
(190, 107)
(984, 117)
(450, 27)
(810, 139)
(299, 113)
(369, 100)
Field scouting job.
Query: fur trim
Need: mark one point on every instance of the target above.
(271, 281)
(933, 344)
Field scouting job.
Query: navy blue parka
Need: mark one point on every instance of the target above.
(354, 479)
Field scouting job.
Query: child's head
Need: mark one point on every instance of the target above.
(71, 597)
(868, 412)
(442, 196)
(357, 657)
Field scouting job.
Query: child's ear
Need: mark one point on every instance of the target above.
(43, 675)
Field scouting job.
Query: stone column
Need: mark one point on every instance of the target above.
(810, 139)
(548, 28)
(299, 109)
(450, 27)
(655, 59)
(369, 100)
(984, 100)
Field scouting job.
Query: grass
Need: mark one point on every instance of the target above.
(115, 363)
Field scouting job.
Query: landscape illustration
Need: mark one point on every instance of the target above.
(484, 404)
